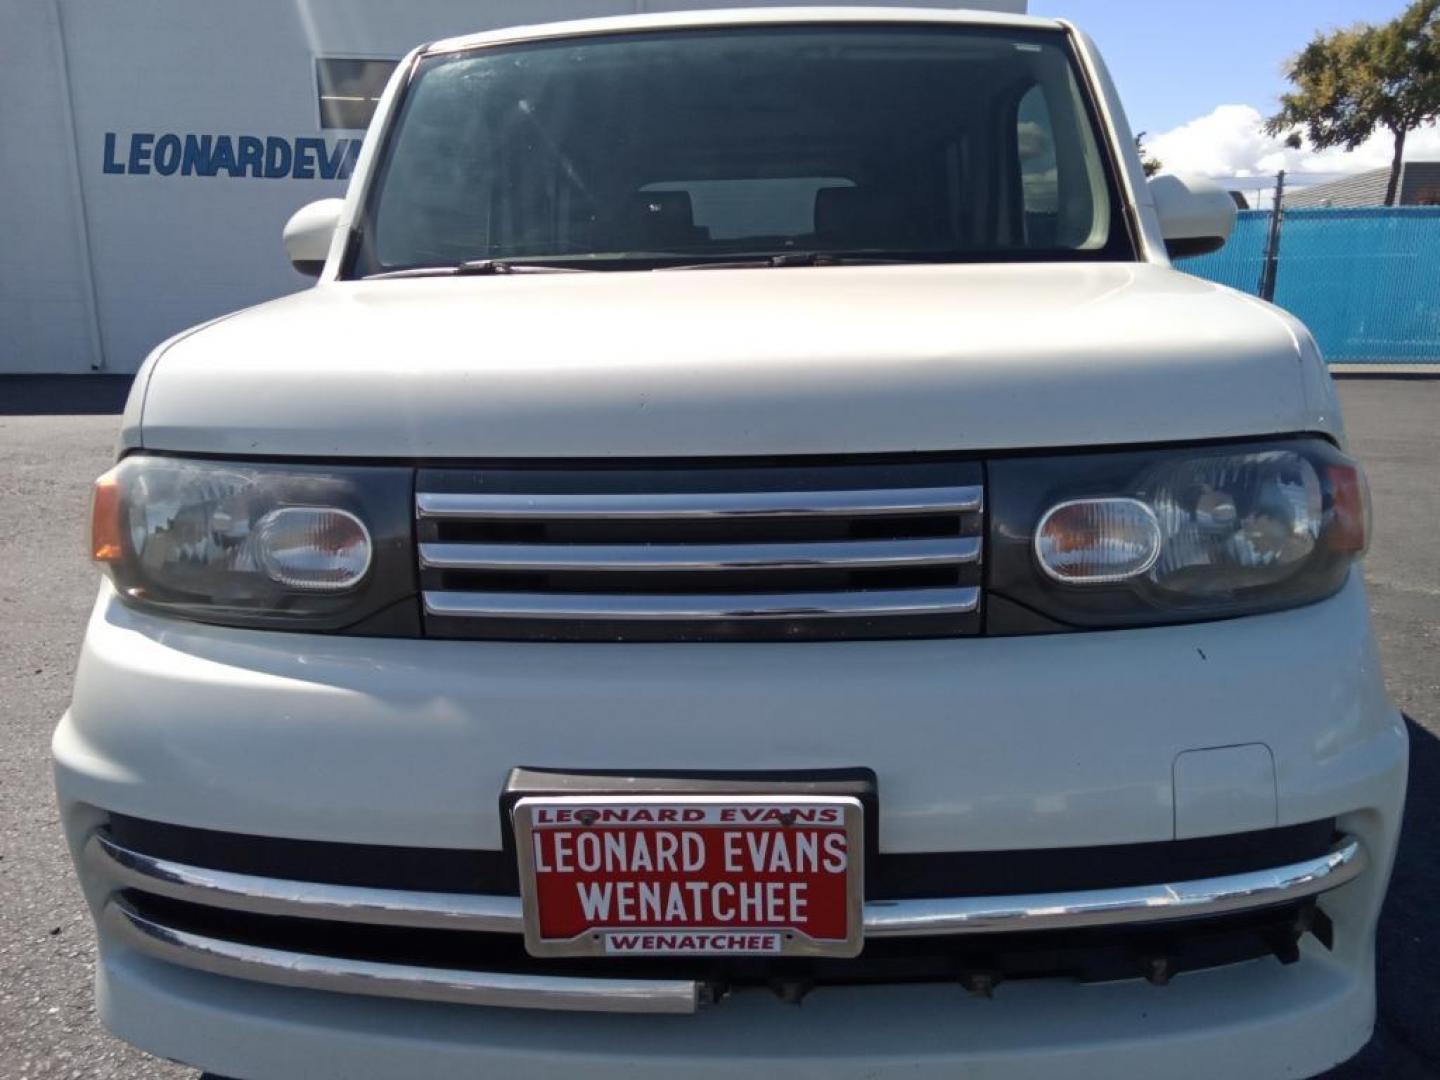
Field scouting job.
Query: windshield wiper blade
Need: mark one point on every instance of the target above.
(514, 266)
(563, 264)
(794, 258)
(478, 267)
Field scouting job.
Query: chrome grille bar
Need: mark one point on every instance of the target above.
(701, 607)
(852, 554)
(775, 552)
(531, 507)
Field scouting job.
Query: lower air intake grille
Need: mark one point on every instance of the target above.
(690, 553)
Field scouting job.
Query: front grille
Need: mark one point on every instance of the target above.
(753, 553)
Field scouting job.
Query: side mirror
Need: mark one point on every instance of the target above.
(308, 234)
(1196, 215)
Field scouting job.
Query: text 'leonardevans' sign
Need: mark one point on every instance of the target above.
(270, 157)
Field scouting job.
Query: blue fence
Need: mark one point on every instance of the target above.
(1365, 281)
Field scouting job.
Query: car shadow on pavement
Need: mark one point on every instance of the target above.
(1406, 1045)
(63, 395)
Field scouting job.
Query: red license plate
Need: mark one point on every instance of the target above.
(703, 875)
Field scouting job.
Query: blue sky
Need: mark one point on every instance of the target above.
(1200, 78)
(1176, 61)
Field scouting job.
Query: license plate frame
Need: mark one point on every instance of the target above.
(779, 939)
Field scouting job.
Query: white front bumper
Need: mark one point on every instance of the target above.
(977, 744)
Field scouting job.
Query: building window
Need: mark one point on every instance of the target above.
(349, 90)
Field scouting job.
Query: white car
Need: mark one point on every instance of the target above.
(748, 517)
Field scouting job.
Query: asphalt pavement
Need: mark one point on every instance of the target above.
(56, 437)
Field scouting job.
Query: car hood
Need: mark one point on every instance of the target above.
(737, 362)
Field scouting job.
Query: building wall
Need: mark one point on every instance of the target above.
(47, 320)
(113, 239)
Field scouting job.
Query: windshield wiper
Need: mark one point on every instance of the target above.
(795, 258)
(646, 260)
(478, 267)
(514, 266)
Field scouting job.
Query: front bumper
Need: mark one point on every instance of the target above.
(1251, 1020)
(978, 744)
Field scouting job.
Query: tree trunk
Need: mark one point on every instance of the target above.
(1392, 189)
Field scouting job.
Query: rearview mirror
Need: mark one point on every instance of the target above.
(308, 234)
(1196, 215)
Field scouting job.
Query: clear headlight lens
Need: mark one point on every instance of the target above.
(1150, 536)
(1234, 522)
(210, 538)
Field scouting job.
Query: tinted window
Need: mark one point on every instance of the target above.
(929, 143)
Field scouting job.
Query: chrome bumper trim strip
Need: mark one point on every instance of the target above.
(312, 972)
(1109, 907)
(124, 868)
(128, 869)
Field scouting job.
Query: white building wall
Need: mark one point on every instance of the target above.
(47, 320)
(101, 254)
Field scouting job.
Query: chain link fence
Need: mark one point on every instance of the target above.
(1365, 281)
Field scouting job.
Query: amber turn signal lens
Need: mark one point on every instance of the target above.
(1349, 530)
(105, 526)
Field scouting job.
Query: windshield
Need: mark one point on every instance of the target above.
(933, 143)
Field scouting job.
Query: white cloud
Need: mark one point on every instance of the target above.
(1229, 142)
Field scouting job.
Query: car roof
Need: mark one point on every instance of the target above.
(756, 16)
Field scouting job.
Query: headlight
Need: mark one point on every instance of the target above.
(1168, 535)
(316, 547)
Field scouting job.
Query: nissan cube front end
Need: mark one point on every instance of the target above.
(748, 560)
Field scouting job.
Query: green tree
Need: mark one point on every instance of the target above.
(1151, 165)
(1349, 83)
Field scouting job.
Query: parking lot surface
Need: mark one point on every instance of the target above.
(49, 454)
